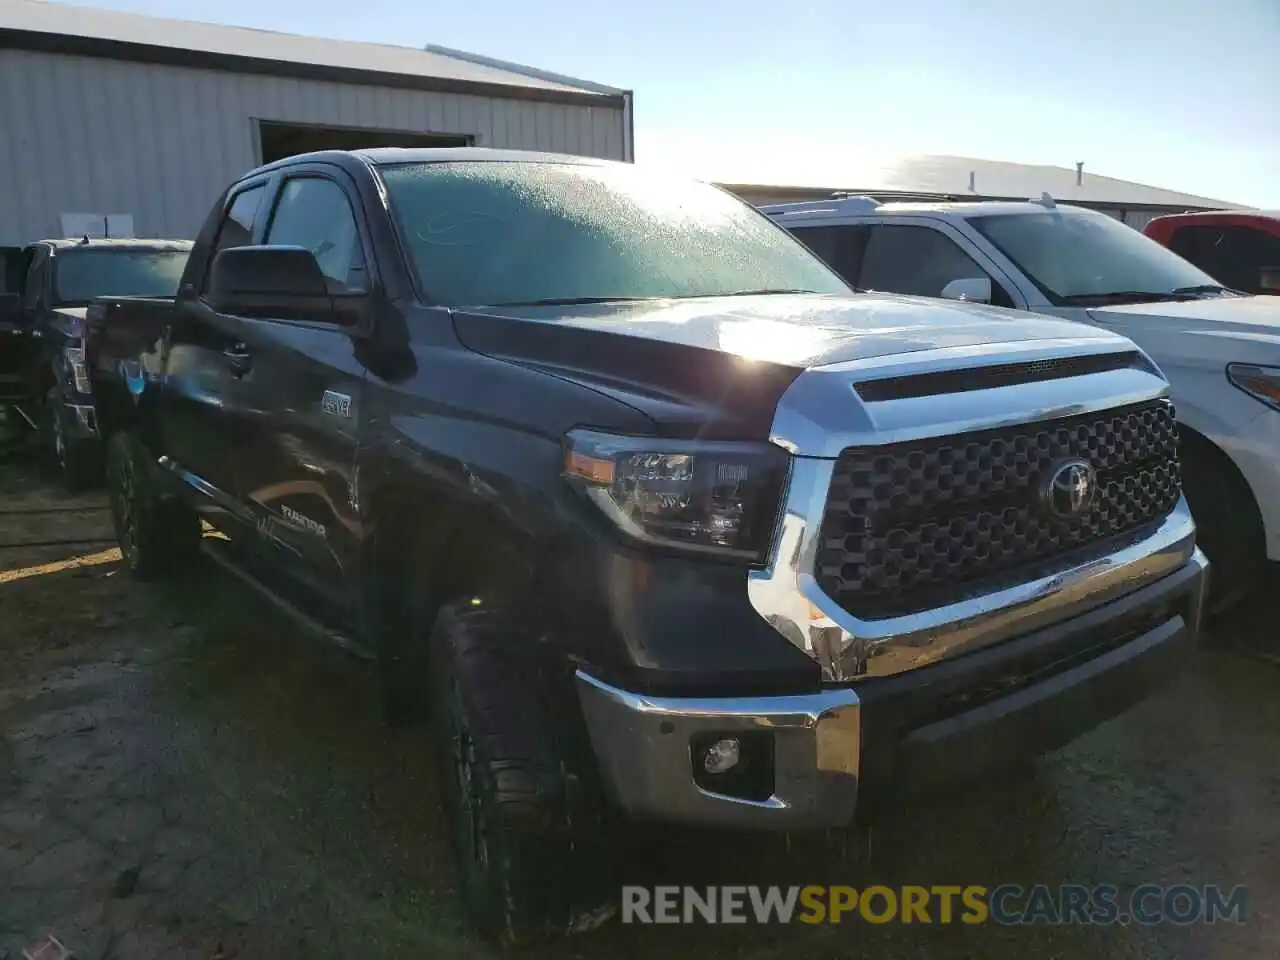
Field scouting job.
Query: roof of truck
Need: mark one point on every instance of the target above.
(838, 207)
(381, 156)
(1217, 216)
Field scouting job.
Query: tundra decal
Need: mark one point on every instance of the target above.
(302, 520)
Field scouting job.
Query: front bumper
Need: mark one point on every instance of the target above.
(845, 747)
(79, 420)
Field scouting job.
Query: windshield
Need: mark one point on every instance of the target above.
(519, 233)
(1079, 254)
(81, 275)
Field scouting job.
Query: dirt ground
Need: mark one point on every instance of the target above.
(182, 776)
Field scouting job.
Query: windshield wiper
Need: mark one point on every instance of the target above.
(767, 292)
(569, 301)
(1203, 288)
(1127, 296)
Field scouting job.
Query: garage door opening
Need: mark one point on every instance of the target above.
(280, 140)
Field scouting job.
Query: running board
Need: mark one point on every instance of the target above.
(23, 414)
(290, 610)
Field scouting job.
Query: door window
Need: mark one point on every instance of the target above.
(314, 213)
(919, 261)
(35, 279)
(840, 246)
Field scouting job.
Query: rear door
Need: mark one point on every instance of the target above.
(298, 401)
(204, 351)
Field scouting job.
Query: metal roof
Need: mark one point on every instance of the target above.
(61, 28)
(962, 178)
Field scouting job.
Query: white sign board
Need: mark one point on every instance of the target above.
(97, 224)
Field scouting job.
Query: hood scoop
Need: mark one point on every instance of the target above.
(997, 375)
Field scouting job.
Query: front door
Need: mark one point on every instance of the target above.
(295, 422)
(205, 359)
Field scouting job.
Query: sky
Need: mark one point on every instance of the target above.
(1181, 94)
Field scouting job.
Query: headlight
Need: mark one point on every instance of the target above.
(710, 497)
(79, 372)
(1262, 383)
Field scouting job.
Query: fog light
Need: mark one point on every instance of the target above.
(722, 756)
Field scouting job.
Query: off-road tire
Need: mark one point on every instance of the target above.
(158, 537)
(1228, 524)
(528, 828)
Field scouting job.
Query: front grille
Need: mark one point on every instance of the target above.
(915, 525)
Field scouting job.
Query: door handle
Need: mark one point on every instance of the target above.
(238, 359)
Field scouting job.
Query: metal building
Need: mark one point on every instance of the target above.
(120, 124)
(963, 178)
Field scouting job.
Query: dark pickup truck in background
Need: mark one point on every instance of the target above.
(50, 287)
(627, 491)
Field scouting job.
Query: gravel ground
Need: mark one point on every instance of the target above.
(181, 776)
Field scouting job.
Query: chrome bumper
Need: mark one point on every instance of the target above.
(836, 747)
(642, 746)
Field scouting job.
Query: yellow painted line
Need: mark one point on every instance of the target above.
(88, 560)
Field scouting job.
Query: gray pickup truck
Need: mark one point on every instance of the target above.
(634, 497)
(50, 286)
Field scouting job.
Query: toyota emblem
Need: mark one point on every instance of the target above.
(1068, 489)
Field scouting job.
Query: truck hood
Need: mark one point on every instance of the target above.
(797, 331)
(1240, 318)
(718, 365)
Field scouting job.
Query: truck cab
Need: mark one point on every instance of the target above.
(50, 287)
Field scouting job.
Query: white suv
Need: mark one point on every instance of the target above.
(1219, 349)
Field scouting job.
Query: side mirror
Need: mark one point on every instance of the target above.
(10, 308)
(1269, 280)
(283, 282)
(973, 289)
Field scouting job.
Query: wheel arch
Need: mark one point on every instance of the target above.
(1192, 442)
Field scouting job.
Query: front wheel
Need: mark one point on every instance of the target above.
(526, 822)
(157, 537)
(1228, 524)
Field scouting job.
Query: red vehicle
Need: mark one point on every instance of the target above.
(1238, 248)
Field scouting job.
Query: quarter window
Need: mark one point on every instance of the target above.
(314, 213)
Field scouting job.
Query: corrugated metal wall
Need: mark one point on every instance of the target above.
(84, 135)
